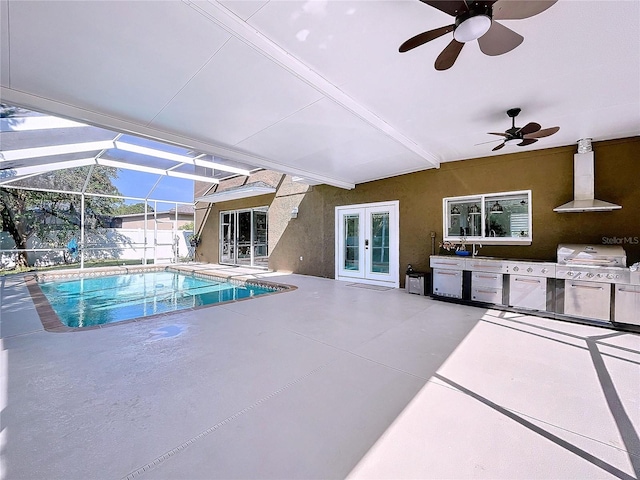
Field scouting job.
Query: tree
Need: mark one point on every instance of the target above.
(55, 217)
(132, 208)
(186, 226)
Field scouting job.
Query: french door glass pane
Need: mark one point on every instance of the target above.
(227, 238)
(260, 244)
(244, 238)
(380, 242)
(351, 242)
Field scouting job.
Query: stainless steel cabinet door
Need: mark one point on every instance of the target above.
(447, 283)
(528, 292)
(587, 299)
(627, 309)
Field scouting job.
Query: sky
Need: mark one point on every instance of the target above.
(139, 184)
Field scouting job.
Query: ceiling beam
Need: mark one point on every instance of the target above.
(83, 162)
(154, 170)
(50, 150)
(20, 172)
(180, 158)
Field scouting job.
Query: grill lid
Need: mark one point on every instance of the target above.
(592, 255)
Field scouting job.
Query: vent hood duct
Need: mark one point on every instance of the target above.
(583, 184)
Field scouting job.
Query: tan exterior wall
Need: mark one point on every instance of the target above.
(165, 219)
(548, 173)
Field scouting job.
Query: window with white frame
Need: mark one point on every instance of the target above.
(495, 218)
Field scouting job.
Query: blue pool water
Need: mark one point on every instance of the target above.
(93, 301)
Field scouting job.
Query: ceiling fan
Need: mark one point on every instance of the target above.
(524, 136)
(476, 20)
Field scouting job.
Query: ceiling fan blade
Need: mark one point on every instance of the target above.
(530, 127)
(527, 141)
(518, 9)
(498, 147)
(499, 40)
(424, 37)
(450, 7)
(542, 133)
(448, 56)
(496, 133)
(490, 141)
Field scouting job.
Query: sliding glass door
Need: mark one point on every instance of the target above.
(243, 237)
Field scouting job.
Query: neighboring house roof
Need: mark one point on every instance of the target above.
(242, 191)
(181, 211)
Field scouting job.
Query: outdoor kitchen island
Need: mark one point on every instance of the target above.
(588, 284)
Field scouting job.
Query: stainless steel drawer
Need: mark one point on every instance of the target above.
(450, 263)
(486, 279)
(486, 294)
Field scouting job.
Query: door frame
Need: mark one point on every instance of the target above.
(235, 243)
(394, 244)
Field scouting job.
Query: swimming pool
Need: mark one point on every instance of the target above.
(87, 302)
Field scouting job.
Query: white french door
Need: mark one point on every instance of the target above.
(367, 246)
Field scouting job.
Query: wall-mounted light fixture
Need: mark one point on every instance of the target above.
(474, 209)
(496, 208)
(455, 210)
(294, 212)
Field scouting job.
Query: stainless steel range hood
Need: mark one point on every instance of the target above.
(583, 184)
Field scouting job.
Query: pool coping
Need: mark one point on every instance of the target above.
(52, 323)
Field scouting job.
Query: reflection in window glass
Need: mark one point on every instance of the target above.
(261, 250)
(507, 216)
(465, 218)
(380, 242)
(351, 242)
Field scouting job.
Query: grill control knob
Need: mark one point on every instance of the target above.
(609, 275)
(570, 274)
(544, 270)
(529, 269)
(589, 275)
(599, 275)
(515, 269)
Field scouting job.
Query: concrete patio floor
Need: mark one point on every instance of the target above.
(327, 381)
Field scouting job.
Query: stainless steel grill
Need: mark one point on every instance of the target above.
(595, 263)
(592, 255)
(588, 272)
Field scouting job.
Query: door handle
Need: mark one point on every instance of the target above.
(366, 244)
(589, 287)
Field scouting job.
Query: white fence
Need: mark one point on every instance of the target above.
(161, 246)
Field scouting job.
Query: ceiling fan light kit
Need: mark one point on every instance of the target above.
(476, 20)
(471, 26)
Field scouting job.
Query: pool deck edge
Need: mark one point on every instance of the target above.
(51, 321)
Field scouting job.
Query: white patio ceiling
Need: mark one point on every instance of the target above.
(317, 88)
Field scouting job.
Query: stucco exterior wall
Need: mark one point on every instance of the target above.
(165, 221)
(548, 173)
